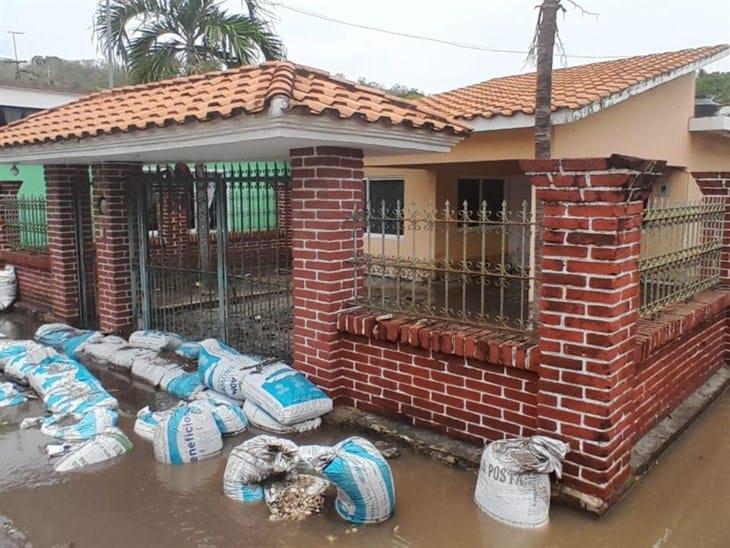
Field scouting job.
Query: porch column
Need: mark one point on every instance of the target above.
(63, 184)
(717, 184)
(113, 275)
(8, 190)
(327, 186)
(588, 311)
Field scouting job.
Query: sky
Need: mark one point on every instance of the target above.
(621, 28)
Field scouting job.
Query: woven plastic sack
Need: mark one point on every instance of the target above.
(188, 350)
(102, 350)
(10, 349)
(8, 287)
(55, 334)
(73, 347)
(107, 445)
(52, 371)
(263, 421)
(364, 481)
(514, 484)
(229, 418)
(10, 396)
(78, 397)
(187, 434)
(285, 394)
(159, 341)
(147, 421)
(182, 385)
(151, 369)
(223, 369)
(254, 461)
(79, 427)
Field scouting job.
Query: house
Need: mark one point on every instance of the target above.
(640, 106)
(612, 332)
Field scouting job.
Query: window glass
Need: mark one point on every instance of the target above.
(387, 192)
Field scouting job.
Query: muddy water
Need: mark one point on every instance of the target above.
(135, 501)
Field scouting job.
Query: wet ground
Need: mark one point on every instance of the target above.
(135, 501)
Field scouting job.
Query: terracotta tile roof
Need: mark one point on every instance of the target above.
(226, 94)
(573, 87)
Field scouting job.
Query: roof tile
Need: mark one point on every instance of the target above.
(573, 87)
(222, 94)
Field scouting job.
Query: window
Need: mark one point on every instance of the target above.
(388, 192)
(476, 191)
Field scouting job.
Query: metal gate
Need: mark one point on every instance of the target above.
(210, 254)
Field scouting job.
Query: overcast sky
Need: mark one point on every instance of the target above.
(623, 27)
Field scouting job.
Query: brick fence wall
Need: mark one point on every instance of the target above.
(33, 271)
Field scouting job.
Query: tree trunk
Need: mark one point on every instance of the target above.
(547, 28)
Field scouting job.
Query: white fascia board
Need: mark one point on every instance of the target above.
(240, 138)
(566, 116)
(34, 98)
(710, 124)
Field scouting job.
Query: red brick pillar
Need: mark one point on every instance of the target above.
(327, 186)
(717, 184)
(175, 220)
(8, 189)
(63, 182)
(589, 300)
(113, 275)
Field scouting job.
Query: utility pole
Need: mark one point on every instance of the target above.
(14, 33)
(109, 46)
(544, 45)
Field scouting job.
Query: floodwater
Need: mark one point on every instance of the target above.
(135, 501)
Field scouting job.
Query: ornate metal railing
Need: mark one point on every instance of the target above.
(474, 267)
(681, 245)
(26, 227)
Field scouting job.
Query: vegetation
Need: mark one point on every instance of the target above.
(57, 73)
(715, 84)
(157, 39)
(398, 90)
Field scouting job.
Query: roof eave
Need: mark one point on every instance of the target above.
(255, 137)
(562, 116)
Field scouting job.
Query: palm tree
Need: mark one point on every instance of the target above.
(157, 39)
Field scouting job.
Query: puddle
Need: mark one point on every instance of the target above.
(135, 501)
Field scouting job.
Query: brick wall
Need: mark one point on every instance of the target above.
(437, 376)
(677, 353)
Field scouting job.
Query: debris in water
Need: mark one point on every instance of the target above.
(388, 450)
(297, 498)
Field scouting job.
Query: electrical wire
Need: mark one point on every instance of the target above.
(463, 45)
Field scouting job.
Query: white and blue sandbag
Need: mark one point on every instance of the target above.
(223, 368)
(285, 394)
(187, 434)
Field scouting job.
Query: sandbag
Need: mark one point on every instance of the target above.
(188, 350)
(24, 363)
(125, 356)
(364, 481)
(10, 396)
(152, 369)
(107, 445)
(51, 371)
(229, 418)
(255, 460)
(285, 394)
(513, 485)
(208, 394)
(9, 349)
(187, 434)
(78, 397)
(101, 350)
(159, 341)
(55, 334)
(73, 347)
(182, 385)
(79, 427)
(8, 287)
(263, 421)
(147, 421)
(222, 368)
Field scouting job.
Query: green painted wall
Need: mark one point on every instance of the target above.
(32, 176)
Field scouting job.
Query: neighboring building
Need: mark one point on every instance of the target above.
(18, 100)
(641, 106)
